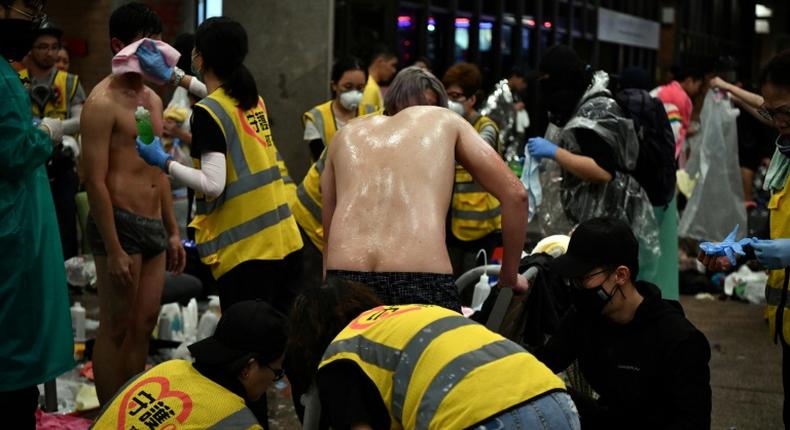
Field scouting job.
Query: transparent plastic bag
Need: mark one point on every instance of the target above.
(716, 204)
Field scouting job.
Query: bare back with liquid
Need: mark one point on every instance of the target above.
(394, 179)
(133, 185)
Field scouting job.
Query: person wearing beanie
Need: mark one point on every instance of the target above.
(646, 361)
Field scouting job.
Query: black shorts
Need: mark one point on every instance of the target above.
(137, 234)
(402, 288)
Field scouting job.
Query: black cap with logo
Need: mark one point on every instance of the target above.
(599, 242)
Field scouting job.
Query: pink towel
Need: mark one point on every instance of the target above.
(126, 60)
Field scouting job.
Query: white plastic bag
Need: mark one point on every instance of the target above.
(747, 285)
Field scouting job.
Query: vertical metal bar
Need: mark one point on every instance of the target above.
(518, 38)
(537, 33)
(496, 39)
(449, 34)
(585, 19)
(571, 10)
(555, 14)
(473, 56)
(422, 28)
(391, 23)
(596, 57)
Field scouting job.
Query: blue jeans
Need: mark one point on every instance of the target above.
(549, 412)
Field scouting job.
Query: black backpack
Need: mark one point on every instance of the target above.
(656, 165)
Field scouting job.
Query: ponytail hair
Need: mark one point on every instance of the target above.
(222, 42)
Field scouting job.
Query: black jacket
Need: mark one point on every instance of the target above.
(651, 373)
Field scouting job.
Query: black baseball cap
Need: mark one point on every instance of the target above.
(251, 326)
(599, 242)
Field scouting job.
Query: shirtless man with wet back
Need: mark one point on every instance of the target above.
(387, 185)
(131, 222)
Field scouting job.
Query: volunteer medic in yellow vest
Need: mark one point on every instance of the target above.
(381, 69)
(243, 225)
(475, 216)
(773, 108)
(235, 365)
(57, 95)
(417, 367)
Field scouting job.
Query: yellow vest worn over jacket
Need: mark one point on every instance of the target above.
(173, 395)
(251, 219)
(474, 213)
(779, 205)
(59, 106)
(371, 98)
(436, 369)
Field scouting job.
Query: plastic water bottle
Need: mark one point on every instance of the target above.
(208, 322)
(78, 322)
(145, 130)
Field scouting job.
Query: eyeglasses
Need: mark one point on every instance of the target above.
(37, 18)
(579, 282)
(781, 114)
(278, 373)
(45, 47)
(457, 97)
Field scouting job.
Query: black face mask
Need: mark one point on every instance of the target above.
(16, 38)
(559, 100)
(590, 302)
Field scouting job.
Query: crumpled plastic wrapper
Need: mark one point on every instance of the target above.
(567, 200)
(80, 271)
(499, 107)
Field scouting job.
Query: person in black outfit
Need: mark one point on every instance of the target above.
(647, 362)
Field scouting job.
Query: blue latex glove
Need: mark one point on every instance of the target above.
(153, 153)
(539, 147)
(728, 247)
(152, 62)
(773, 254)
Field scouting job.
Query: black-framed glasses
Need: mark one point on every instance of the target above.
(278, 373)
(456, 96)
(579, 282)
(781, 114)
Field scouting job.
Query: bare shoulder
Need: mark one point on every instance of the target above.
(153, 97)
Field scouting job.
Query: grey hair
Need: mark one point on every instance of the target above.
(408, 89)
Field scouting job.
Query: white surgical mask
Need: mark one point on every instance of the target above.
(456, 107)
(350, 99)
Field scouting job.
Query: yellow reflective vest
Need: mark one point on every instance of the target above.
(474, 213)
(371, 98)
(779, 205)
(251, 219)
(59, 106)
(173, 395)
(436, 369)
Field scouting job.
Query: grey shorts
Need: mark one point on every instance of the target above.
(137, 234)
(402, 288)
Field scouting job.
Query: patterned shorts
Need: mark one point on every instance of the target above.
(401, 288)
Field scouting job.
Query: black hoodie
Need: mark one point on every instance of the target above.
(651, 373)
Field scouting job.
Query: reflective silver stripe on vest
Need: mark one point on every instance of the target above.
(71, 81)
(377, 354)
(411, 355)
(288, 180)
(319, 165)
(241, 419)
(308, 203)
(232, 141)
(370, 109)
(468, 187)
(455, 371)
(477, 215)
(244, 230)
(318, 119)
(773, 296)
(241, 186)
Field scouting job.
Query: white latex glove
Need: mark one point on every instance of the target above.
(54, 127)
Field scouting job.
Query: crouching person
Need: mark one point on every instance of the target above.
(417, 366)
(236, 364)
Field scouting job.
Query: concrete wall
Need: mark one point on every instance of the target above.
(290, 57)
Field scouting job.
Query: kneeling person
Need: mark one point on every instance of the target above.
(237, 363)
(417, 366)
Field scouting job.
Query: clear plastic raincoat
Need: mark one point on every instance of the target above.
(35, 322)
(568, 200)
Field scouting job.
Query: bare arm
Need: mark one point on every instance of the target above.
(328, 199)
(97, 129)
(745, 99)
(487, 168)
(583, 167)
